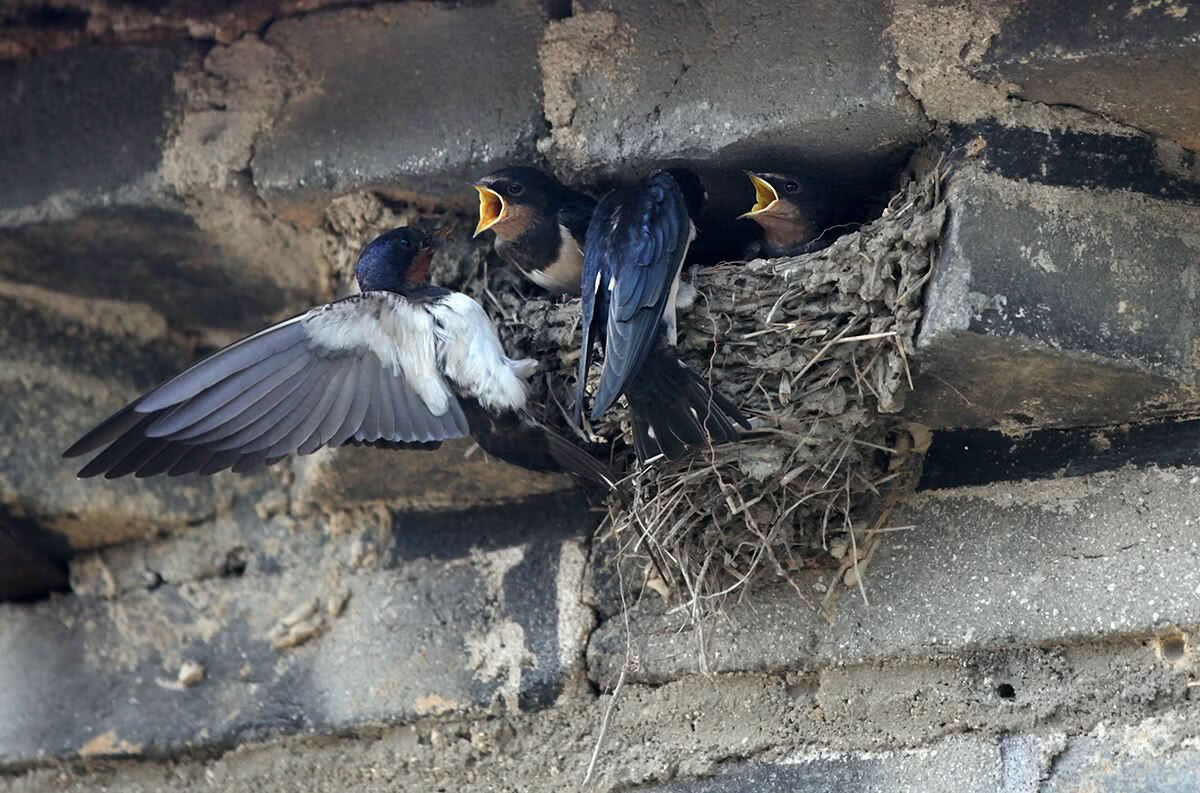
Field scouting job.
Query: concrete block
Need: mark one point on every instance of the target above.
(90, 214)
(452, 477)
(1062, 305)
(1158, 755)
(340, 639)
(956, 764)
(41, 414)
(1136, 63)
(154, 256)
(57, 119)
(407, 99)
(66, 363)
(1012, 565)
(749, 85)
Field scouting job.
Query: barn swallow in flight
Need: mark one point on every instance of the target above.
(794, 214)
(402, 364)
(636, 246)
(539, 223)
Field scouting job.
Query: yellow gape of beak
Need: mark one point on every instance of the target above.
(764, 196)
(492, 209)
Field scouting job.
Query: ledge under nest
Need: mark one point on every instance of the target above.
(814, 349)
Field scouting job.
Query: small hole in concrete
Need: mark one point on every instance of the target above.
(1006, 691)
(1172, 648)
(235, 563)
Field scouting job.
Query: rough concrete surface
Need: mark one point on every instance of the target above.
(374, 631)
(1136, 62)
(373, 119)
(459, 473)
(628, 84)
(1055, 306)
(56, 118)
(1009, 564)
(296, 626)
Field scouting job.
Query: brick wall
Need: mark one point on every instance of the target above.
(177, 173)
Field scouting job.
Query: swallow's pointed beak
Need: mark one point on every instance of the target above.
(764, 196)
(492, 208)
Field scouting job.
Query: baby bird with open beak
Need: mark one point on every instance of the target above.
(540, 225)
(793, 212)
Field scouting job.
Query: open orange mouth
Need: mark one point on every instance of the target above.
(492, 209)
(764, 196)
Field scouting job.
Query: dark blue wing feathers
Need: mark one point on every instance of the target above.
(637, 242)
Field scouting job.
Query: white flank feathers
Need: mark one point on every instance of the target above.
(470, 354)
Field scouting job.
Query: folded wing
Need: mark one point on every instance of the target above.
(636, 244)
(364, 369)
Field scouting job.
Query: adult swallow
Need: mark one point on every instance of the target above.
(794, 213)
(636, 246)
(403, 363)
(539, 224)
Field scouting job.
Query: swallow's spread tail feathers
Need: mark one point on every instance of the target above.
(672, 408)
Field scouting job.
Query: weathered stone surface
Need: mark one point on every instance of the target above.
(411, 98)
(67, 363)
(91, 214)
(1058, 305)
(41, 414)
(1013, 564)
(1157, 755)
(751, 84)
(1138, 63)
(323, 637)
(446, 478)
(957, 764)
(58, 116)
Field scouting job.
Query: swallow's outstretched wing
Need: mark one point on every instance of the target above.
(368, 368)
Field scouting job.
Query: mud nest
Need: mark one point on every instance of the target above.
(815, 349)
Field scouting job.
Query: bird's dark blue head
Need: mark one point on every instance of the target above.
(692, 188)
(395, 261)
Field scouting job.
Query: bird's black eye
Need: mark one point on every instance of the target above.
(516, 188)
(791, 187)
(405, 242)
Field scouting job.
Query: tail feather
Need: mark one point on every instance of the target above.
(672, 408)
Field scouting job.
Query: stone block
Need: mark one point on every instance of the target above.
(92, 214)
(325, 638)
(406, 99)
(66, 363)
(453, 476)
(154, 256)
(57, 119)
(1158, 755)
(956, 764)
(1062, 300)
(1012, 565)
(757, 85)
(1136, 63)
